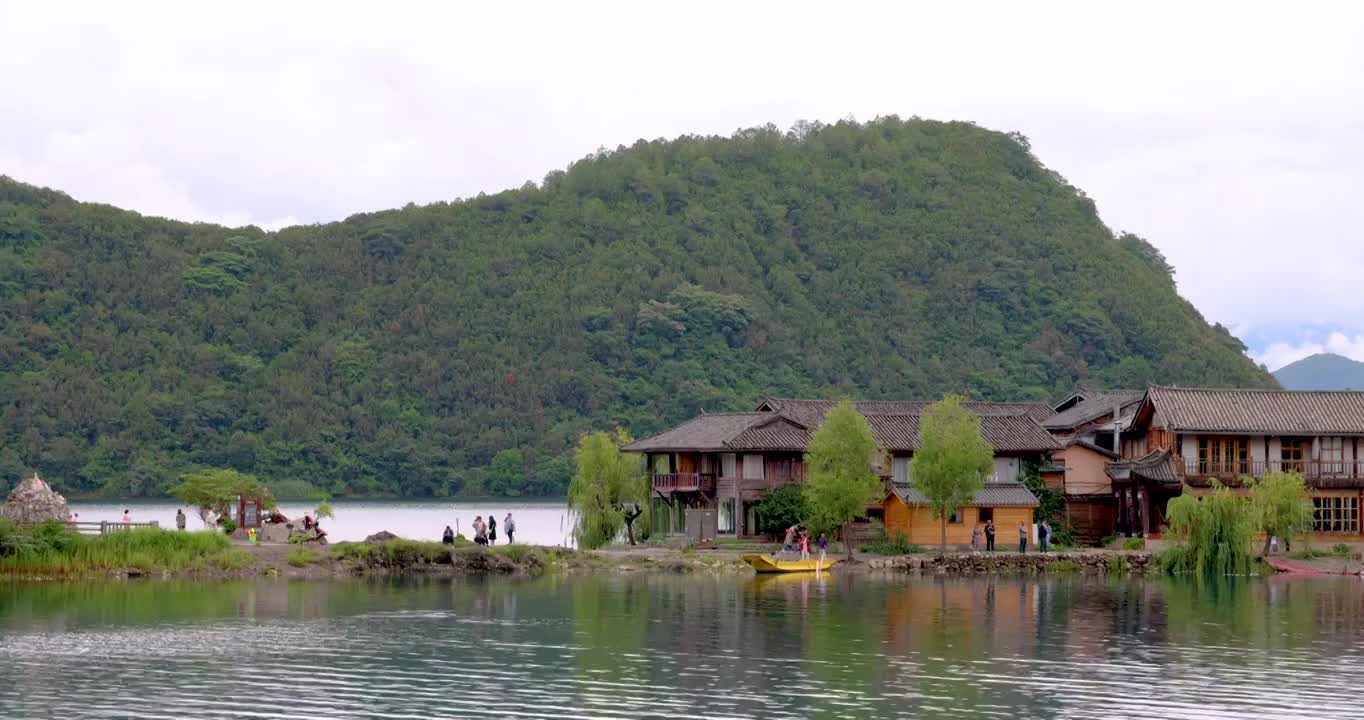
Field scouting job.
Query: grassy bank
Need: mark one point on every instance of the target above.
(51, 549)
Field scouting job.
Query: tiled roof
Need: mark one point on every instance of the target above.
(993, 494)
(811, 412)
(1156, 466)
(704, 432)
(1095, 405)
(1008, 427)
(1271, 412)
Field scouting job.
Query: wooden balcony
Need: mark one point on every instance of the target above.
(1316, 473)
(684, 482)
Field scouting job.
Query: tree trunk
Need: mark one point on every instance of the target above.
(847, 541)
(1268, 537)
(630, 517)
(942, 541)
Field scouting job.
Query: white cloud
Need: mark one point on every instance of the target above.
(1279, 354)
(1244, 165)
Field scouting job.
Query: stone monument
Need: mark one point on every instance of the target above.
(33, 501)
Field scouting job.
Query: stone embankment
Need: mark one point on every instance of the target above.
(1004, 563)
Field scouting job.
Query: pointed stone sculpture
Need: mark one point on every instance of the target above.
(33, 501)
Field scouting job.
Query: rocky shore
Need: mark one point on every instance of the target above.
(1100, 562)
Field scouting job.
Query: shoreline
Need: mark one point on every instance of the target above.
(408, 558)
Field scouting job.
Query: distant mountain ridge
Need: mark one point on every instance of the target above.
(1323, 371)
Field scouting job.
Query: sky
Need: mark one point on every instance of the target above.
(1230, 135)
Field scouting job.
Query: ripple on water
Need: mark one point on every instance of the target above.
(691, 647)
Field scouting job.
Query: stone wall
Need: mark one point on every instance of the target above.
(1135, 563)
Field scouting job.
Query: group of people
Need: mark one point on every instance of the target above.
(485, 532)
(988, 531)
(797, 539)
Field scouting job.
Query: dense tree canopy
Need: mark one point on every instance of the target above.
(400, 352)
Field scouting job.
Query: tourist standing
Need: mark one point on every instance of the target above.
(804, 544)
(492, 530)
(788, 542)
(127, 517)
(179, 518)
(823, 546)
(1022, 537)
(480, 531)
(509, 527)
(449, 537)
(1043, 535)
(989, 536)
(975, 539)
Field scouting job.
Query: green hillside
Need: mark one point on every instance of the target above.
(463, 346)
(1323, 371)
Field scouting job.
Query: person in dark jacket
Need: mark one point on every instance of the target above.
(449, 537)
(492, 530)
(989, 535)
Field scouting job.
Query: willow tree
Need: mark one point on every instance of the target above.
(840, 482)
(1279, 506)
(952, 460)
(1213, 532)
(609, 490)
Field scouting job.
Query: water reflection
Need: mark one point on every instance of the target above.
(656, 646)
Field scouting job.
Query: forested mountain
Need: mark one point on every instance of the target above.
(1323, 371)
(463, 346)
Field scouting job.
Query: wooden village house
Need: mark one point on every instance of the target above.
(1183, 438)
(715, 468)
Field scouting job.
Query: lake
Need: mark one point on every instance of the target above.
(539, 522)
(668, 646)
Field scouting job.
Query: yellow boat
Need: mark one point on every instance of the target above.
(769, 564)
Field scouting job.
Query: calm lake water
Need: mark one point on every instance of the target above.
(679, 646)
(537, 522)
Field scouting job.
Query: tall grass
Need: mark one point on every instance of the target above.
(51, 548)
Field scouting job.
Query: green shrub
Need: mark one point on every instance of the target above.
(894, 544)
(1107, 540)
(1341, 549)
(1135, 543)
(1307, 552)
(780, 508)
(301, 556)
(393, 553)
(1117, 565)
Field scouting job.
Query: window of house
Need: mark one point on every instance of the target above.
(985, 515)
(753, 467)
(899, 470)
(954, 517)
(1292, 454)
(1332, 454)
(1335, 515)
(1218, 455)
(725, 521)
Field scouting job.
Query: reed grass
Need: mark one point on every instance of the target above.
(52, 549)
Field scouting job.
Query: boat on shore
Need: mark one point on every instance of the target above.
(770, 564)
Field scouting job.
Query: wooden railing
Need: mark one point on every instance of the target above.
(1315, 472)
(107, 526)
(684, 482)
(706, 482)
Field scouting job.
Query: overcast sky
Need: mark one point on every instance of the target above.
(1229, 135)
